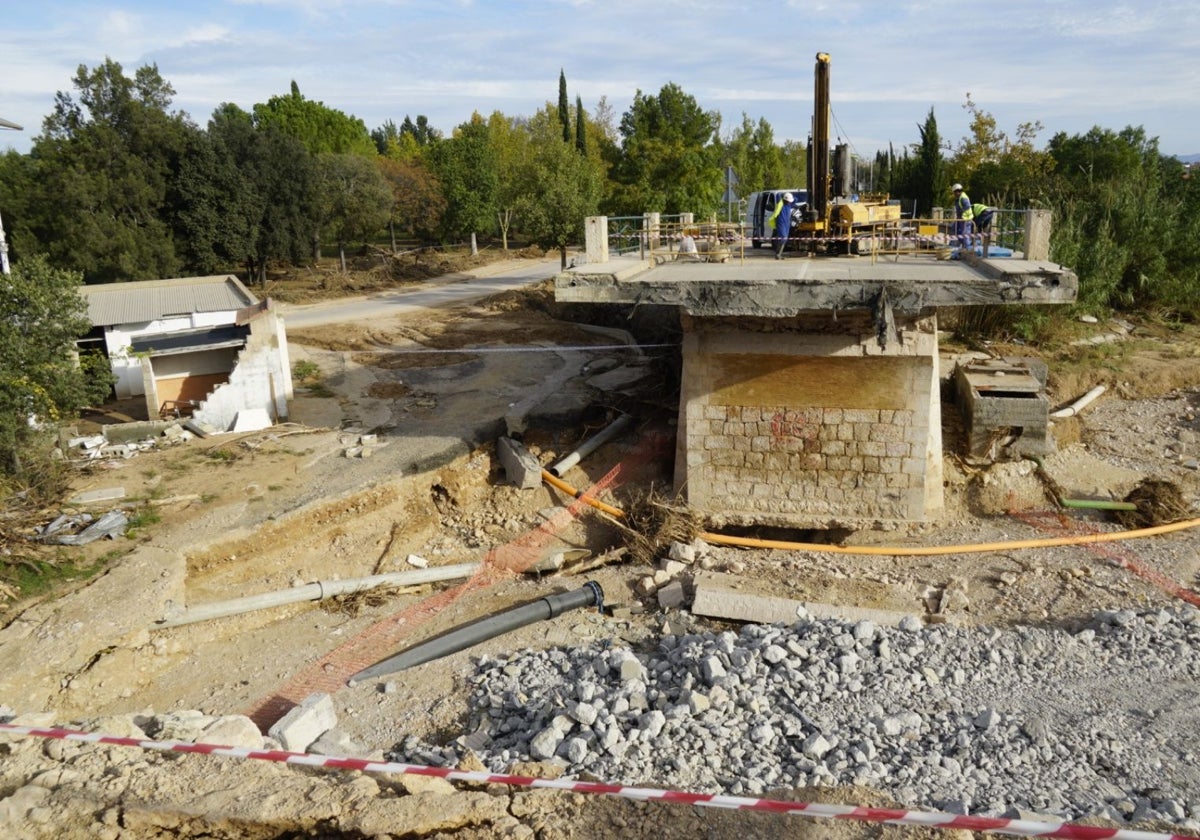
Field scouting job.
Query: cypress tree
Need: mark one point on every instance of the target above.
(580, 127)
(564, 110)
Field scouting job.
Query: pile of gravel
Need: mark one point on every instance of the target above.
(1031, 721)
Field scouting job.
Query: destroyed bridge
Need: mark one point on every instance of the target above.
(809, 394)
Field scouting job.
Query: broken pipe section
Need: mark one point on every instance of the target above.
(468, 635)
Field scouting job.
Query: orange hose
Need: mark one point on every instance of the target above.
(926, 551)
(895, 551)
(554, 481)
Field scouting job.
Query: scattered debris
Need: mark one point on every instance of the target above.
(83, 528)
(1158, 503)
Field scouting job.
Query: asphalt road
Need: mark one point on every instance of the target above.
(440, 292)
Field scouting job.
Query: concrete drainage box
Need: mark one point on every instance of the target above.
(1004, 404)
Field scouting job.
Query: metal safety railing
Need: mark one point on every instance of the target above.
(940, 235)
(664, 237)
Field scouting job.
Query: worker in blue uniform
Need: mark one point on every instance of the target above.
(781, 219)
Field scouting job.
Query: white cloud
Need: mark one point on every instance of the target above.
(1070, 64)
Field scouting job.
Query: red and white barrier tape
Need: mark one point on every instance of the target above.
(927, 819)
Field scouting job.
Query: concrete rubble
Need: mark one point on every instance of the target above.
(994, 722)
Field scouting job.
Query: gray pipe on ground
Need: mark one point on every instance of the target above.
(468, 635)
(314, 592)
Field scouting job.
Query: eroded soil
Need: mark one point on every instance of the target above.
(269, 510)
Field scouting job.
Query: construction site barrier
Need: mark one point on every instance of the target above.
(892, 816)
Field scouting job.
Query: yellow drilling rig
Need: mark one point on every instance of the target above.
(835, 219)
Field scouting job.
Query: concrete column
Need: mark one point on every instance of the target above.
(687, 219)
(150, 387)
(1037, 234)
(595, 233)
(652, 231)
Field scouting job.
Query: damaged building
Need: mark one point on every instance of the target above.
(203, 347)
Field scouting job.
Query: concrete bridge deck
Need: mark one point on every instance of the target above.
(757, 284)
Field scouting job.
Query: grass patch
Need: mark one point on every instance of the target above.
(34, 576)
(221, 454)
(306, 370)
(320, 389)
(142, 517)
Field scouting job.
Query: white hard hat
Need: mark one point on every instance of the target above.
(956, 188)
(788, 197)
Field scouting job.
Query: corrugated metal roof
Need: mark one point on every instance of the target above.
(149, 300)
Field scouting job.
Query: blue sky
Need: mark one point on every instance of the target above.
(1069, 64)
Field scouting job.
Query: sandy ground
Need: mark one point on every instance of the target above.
(266, 511)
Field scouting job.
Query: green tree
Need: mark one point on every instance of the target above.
(17, 186)
(750, 149)
(668, 161)
(1116, 218)
(41, 316)
(466, 165)
(320, 128)
(421, 131)
(104, 165)
(1000, 171)
(217, 203)
(270, 207)
(562, 188)
(793, 165)
(385, 135)
(354, 199)
(510, 145)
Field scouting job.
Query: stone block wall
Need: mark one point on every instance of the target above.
(810, 426)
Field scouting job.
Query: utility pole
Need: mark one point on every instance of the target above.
(4, 269)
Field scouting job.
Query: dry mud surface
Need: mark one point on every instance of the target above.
(270, 510)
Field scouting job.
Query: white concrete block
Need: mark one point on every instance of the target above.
(304, 724)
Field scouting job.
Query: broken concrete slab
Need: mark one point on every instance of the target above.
(719, 595)
(199, 428)
(101, 495)
(520, 466)
(304, 724)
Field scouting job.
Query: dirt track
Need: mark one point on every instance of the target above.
(269, 510)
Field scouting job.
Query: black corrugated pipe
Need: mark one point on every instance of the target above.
(468, 635)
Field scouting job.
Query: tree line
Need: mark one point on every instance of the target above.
(118, 186)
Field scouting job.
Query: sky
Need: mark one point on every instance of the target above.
(1068, 64)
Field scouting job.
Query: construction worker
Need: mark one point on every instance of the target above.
(982, 216)
(781, 220)
(964, 214)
